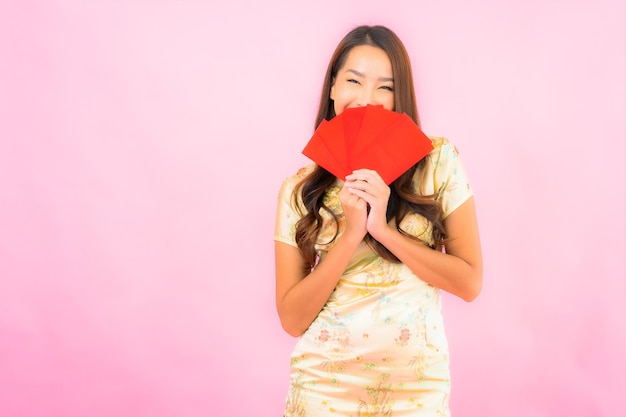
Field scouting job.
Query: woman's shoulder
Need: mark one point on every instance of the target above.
(297, 176)
(443, 149)
(303, 171)
(441, 143)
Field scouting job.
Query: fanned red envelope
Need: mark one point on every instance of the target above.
(368, 137)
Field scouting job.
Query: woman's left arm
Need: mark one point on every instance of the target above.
(458, 271)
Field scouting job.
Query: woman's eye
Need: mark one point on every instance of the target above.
(387, 87)
(352, 80)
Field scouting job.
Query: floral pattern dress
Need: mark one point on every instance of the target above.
(378, 346)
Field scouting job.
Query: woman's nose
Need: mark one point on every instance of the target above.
(366, 97)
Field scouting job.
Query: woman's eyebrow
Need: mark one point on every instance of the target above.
(360, 74)
(355, 72)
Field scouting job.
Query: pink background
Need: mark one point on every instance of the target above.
(142, 144)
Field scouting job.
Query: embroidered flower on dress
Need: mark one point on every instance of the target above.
(403, 339)
(324, 335)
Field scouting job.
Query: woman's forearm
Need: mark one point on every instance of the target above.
(300, 304)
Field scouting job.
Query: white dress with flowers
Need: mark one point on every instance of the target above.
(378, 346)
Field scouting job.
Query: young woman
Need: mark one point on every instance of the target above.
(359, 264)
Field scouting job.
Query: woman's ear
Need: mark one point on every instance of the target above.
(332, 89)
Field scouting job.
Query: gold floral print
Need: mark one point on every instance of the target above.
(379, 402)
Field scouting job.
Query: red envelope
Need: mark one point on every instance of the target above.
(368, 137)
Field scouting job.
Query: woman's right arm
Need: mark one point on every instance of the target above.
(301, 293)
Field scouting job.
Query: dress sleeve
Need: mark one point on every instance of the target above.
(451, 185)
(286, 214)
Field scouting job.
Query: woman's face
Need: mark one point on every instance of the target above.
(365, 78)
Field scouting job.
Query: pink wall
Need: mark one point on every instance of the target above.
(142, 144)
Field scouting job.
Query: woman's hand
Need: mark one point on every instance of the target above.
(370, 187)
(355, 212)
